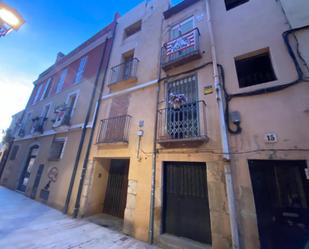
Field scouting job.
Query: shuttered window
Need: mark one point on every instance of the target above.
(61, 80)
(81, 69)
(56, 149)
(37, 95)
(46, 89)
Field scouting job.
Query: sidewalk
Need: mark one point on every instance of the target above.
(27, 224)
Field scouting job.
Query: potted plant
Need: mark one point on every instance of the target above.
(177, 100)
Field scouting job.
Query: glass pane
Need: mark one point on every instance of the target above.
(186, 26)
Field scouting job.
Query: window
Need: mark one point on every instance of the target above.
(128, 64)
(45, 111)
(132, 29)
(81, 69)
(230, 4)
(14, 152)
(182, 28)
(36, 98)
(71, 103)
(56, 149)
(61, 80)
(46, 89)
(255, 68)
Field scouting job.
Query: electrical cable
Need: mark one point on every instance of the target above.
(300, 78)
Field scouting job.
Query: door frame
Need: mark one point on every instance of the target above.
(163, 163)
(29, 157)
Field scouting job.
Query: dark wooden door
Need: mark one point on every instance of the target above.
(186, 207)
(281, 194)
(37, 181)
(117, 187)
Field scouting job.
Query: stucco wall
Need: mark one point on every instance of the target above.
(249, 27)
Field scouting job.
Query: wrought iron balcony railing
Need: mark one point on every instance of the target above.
(124, 71)
(186, 125)
(38, 125)
(114, 130)
(181, 50)
(63, 117)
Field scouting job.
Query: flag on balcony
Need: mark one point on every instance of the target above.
(183, 42)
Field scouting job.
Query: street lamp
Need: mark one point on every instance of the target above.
(10, 19)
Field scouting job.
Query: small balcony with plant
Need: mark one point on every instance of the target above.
(125, 72)
(182, 123)
(181, 50)
(114, 130)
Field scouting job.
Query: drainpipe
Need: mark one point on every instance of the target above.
(84, 131)
(224, 135)
(96, 115)
(154, 153)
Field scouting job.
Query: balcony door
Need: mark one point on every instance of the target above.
(182, 28)
(183, 122)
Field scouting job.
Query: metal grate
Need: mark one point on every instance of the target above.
(124, 71)
(114, 129)
(189, 121)
(185, 201)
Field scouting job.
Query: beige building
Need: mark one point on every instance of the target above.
(55, 125)
(142, 138)
(263, 47)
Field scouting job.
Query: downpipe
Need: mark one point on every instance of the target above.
(224, 136)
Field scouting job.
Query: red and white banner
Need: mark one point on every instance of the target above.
(183, 42)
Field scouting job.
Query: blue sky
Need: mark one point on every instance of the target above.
(51, 26)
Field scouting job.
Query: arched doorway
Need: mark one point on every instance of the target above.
(25, 176)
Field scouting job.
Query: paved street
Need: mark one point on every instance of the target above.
(27, 224)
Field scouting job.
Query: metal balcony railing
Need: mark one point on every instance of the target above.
(114, 130)
(124, 71)
(38, 125)
(181, 50)
(63, 117)
(188, 123)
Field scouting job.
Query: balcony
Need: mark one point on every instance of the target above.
(181, 50)
(38, 125)
(183, 127)
(63, 117)
(114, 130)
(125, 72)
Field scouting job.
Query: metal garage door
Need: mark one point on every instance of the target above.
(185, 207)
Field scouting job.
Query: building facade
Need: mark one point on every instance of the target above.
(55, 125)
(263, 47)
(144, 144)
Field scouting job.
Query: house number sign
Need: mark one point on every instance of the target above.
(270, 138)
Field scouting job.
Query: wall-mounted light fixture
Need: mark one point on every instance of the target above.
(10, 19)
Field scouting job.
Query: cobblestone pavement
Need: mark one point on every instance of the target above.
(27, 224)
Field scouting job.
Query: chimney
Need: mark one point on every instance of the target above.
(60, 55)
